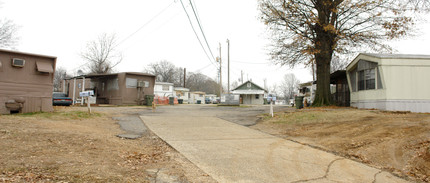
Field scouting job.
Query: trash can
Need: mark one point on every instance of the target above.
(171, 100)
(149, 99)
(299, 102)
(180, 101)
(199, 102)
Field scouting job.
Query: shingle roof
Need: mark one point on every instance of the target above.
(397, 56)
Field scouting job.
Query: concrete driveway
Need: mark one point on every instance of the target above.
(234, 153)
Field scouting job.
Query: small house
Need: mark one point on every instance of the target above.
(394, 82)
(197, 96)
(163, 89)
(182, 93)
(126, 88)
(210, 97)
(250, 93)
(307, 90)
(26, 82)
(73, 86)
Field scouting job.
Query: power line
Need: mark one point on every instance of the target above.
(189, 19)
(144, 25)
(128, 37)
(198, 70)
(201, 29)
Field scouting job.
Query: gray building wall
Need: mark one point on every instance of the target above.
(252, 99)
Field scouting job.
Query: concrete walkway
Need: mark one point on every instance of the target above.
(232, 153)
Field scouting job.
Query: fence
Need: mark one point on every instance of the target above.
(164, 100)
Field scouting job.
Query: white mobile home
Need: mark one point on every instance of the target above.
(392, 82)
(197, 96)
(163, 89)
(182, 93)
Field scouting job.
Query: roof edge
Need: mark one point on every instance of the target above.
(26, 53)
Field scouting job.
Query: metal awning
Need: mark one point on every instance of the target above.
(248, 92)
(44, 67)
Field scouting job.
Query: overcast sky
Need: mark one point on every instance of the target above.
(62, 29)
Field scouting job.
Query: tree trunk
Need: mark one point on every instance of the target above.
(324, 44)
(322, 94)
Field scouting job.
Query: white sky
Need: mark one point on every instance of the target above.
(62, 29)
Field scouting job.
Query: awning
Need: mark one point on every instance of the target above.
(44, 67)
(248, 92)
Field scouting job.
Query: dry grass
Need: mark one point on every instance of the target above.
(399, 142)
(72, 146)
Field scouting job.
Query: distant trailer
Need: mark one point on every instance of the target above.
(26, 82)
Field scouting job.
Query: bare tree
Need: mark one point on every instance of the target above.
(337, 64)
(60, 75)
(274, 89)
(179, 77)
(289, 86)
(164, 70)
(234, 85)
(312, 31)
(201, 82)
(102, 54)
(8, 34)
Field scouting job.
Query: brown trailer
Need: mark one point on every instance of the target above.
(125, 88)
(26, 82)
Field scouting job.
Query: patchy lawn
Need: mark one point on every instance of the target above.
(398, 142)
(69, 145)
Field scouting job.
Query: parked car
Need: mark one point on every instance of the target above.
(208, 101)
(59, 98)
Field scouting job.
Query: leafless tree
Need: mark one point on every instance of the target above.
(289, 86)
(179, 76)
(102, 54)
(201, 82)
(164, 70)
(8, 34)
(274, 89)
(312, 31)
(60, 75)
(338, 64)
(234, 85)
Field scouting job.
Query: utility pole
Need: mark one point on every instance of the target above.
(265, 84)
(228, 66)
(220, 71)
(185, 73)
(241, 76)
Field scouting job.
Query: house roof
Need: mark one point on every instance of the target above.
(181, 89)
(387, 56)
(339, 74)
(114, 74)
(396, 56)
(309, 83)
(248, 92)
(259, 87)
(198, 92)
(163, 83)
(24, 53)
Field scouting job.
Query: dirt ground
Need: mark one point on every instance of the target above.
(397, 142)
(71, 146)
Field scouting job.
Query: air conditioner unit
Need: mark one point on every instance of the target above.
(17, 62)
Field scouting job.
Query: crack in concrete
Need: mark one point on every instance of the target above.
(376, 174)
(156, 175)
(326, 172)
